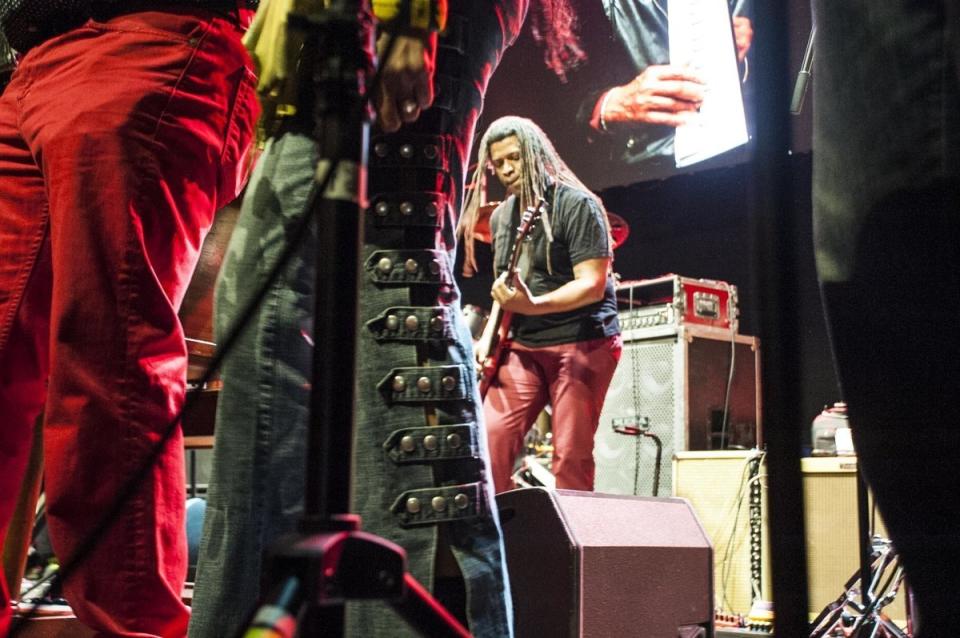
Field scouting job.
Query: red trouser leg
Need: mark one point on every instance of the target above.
(574, 377)
(23, 318)
(580, 375)
(137, 128)
(512, 404)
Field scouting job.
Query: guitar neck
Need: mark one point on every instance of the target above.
(498, 324)
(491, 331)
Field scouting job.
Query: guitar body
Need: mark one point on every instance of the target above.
(496, 349)
(496, 341)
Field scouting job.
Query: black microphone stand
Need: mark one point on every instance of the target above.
(642, 429)
(310, 574)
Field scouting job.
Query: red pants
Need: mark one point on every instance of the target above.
(573, 378)
(118, 141)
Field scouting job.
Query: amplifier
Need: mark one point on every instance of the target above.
(715, 483)
(675, 389)
(672, 300)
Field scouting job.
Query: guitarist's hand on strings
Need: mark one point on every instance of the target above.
(517, 299)
(479, 356)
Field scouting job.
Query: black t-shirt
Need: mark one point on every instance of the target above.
(579, 234)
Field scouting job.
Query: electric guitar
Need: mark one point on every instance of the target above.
(495, 339)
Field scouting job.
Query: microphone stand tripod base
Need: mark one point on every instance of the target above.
(315, 572)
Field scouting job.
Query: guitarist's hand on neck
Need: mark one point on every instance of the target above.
(517, 299)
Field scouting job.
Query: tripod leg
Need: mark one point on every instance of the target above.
(424, 613)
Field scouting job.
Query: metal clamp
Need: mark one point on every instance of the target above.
(432, 443)
(406, 267)
(424, 384)
(413, 324)
(439, 505)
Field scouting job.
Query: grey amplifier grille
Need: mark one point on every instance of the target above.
(644, 386)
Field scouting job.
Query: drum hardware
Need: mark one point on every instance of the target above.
(857, 612)
(534, 472)
(535, 466)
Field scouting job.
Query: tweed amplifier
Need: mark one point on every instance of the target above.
(672, 300)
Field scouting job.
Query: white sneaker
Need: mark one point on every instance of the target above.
(45, 607)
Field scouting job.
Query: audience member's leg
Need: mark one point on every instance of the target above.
(257, 480)
(24, 311)
(896, 346)
(132, 192)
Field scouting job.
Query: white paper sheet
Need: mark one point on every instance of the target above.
(701, 37)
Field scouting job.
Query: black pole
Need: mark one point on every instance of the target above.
(329, 561)
(337, 60)
(659, 460)
(863, 536)
(341, 46)
(636, 466)
(774, 239)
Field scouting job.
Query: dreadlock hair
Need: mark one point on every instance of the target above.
(554, 26)
(541, 167)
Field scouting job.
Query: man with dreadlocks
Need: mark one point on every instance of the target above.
(566, 338)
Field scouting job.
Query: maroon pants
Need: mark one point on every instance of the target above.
(118, 141)
(573, 378)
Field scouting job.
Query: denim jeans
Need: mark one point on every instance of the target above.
(419, 446)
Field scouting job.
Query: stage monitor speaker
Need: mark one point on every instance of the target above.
(593, 565)
(675, 379)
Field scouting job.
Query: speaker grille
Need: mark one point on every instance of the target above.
(678, 380)
(645, 385)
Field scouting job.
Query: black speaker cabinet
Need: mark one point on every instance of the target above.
(675, 379)
(593, 565)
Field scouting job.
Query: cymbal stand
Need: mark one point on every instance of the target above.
(310, 574)
(855, 615)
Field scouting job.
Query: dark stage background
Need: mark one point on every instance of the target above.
(695, 223)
